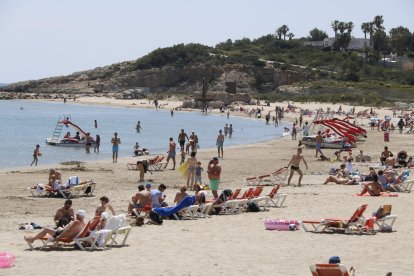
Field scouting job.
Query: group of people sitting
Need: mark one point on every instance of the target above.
(373, 183)
(69, 224)
(147, 198)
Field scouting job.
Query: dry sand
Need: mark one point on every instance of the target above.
(226, 245)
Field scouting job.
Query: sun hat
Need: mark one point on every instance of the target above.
(148, 185)
(81, 213)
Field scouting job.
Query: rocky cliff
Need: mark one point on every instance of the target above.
(123, 81)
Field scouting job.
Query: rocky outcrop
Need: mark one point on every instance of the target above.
(123, 81)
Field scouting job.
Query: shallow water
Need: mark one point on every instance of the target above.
(25, 124)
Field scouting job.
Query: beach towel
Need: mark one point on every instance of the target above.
(168, 211)
(73, 181)
(183, 169)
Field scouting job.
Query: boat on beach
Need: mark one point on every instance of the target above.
(79, 140)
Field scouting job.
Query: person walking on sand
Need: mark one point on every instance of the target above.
(219, 143)
(192, 165)
(319, 141)
(171, 153)
(294, 131)
(115, 147)
(294, 165)
(214, 172)
(36, 154)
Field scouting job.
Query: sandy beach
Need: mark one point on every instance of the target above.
(227, 244)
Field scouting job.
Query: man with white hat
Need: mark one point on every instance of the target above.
(69, 231)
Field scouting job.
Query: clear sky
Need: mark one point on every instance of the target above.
(44, 38)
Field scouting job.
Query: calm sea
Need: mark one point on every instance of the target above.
(24, 124)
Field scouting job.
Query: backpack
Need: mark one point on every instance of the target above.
(252, 207)
(155, 218)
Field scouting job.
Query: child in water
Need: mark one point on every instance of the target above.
(36, 154)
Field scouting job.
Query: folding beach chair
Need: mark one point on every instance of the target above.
(384, 220)
(356, 222)
(328, 270)
(279, 176)
(273, 198)
(47, 239)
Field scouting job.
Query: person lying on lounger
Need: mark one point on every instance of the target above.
(374, 188)
(339, 180)
(69, 231)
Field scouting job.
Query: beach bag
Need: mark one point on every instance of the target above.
(155, 218)
(252, 207)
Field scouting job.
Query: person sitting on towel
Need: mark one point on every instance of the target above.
(374, 188)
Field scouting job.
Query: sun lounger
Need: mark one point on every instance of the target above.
(384, 220)
(116, 225)
(168, 211)
(85, 188)
(356, 223)
(274, 198)
(157, 165)
(48, 240)
(329, 270)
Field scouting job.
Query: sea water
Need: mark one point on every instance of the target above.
(24, 124)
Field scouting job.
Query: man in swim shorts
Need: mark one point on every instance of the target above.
(115, 148)
(181, 138)
(171, 152)
(294, 165)
(214, 171)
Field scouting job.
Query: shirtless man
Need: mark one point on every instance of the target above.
(180, 195)
(181, 138)
(384, 155)
(319, 141)
(194, 137)
(115, 147)
(214, 172)
(294, 163)
(104, 204)
(373, 188)
(69, 231)
(171, 153)
(390, 160)
(139, 201)
(65, 214)
(219, 143)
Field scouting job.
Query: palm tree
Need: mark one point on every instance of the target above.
(350, 26)
(341, 27)
(290, 35)
(378, 21)
(365, 28)
(285, 29)
(334, 25)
